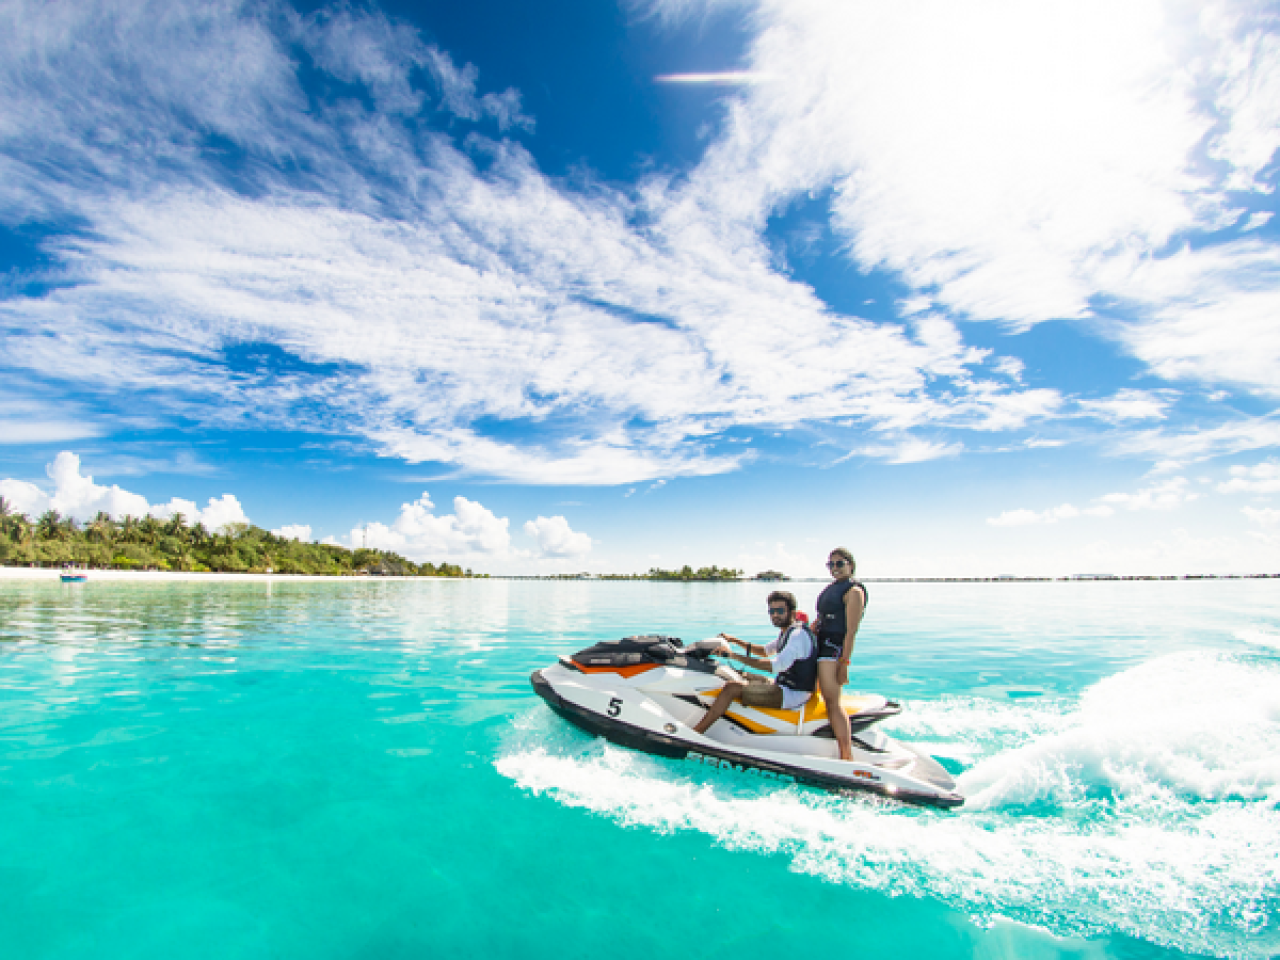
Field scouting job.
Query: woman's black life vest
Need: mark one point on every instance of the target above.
(803, 674)
(831, 608)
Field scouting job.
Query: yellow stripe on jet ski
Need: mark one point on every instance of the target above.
(816, 709)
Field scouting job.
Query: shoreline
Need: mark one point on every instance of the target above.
(177, 576)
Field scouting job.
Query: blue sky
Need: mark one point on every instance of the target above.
(971, 288)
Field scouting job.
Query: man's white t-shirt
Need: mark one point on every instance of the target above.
(798, 647)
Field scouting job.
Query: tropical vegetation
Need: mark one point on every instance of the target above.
(148, 543)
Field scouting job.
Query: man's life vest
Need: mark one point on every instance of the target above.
(803, 674)
(831, 608)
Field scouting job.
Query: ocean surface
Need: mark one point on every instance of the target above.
(361, 770)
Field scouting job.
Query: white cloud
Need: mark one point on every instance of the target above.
(1199, 443)
(471, 531)
(556, 539)
(1074, 136)
(75, 494)
(1023, 517)
(906, 450)
(413, 294)
(295, 531)
(1127, 405)
(1161, 496)
(1264, 516)
(39, 423)
(1165, 495)
(420, 283)
(1207, 314)
(1258, 219)
(1260, 478)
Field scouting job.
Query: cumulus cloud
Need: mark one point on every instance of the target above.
(1260, 478)
(556, 539)
(471, 531)
(294, 531)
(76, 495)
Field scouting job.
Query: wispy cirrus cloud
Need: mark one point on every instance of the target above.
(419, 279)
(412, 282)
(1081, 142)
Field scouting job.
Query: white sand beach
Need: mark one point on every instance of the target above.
(165, 576)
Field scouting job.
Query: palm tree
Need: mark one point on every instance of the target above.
(101, 527)
(177, 526)
(19, 527)
(8, 519)
(128, 528)
(49, 525)
(149, 529)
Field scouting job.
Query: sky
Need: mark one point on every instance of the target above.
(970, 288)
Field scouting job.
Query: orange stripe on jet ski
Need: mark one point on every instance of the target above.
(620, 671)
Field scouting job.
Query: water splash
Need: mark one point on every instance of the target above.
(1148, 807)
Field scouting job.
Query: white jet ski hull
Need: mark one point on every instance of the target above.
(654, 710)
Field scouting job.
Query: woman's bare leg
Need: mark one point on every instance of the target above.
(829, 686)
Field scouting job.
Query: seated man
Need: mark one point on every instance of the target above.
(793, 657)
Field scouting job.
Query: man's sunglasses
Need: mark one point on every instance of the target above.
(777, 611)
(836, 564)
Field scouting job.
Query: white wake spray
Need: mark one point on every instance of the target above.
(1148, 807)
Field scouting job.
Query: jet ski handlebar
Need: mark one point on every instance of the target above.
(702, 649)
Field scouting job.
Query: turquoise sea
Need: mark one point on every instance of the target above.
(360, 770)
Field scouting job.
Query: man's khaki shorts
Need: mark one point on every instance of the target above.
(759, 692)
(762, 694)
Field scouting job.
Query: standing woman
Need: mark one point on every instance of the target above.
(840, 607)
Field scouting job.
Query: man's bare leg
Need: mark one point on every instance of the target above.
(728, 694)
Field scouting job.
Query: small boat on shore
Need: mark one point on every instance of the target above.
(73, 575)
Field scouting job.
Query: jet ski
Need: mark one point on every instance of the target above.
(647, 692)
